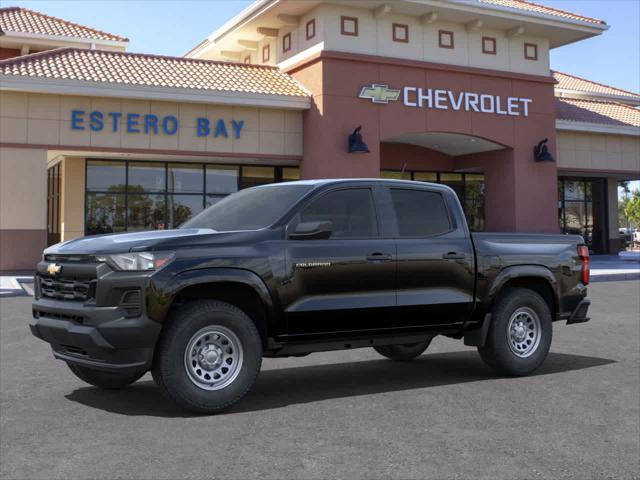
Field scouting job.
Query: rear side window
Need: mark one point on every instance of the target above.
(420, 213)
(351, 212)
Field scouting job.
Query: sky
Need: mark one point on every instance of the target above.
(173, 27)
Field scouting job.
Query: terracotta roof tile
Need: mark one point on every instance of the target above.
(591, 111)
(571, 82)
(537, 8)
(23, 20)
(152, 71)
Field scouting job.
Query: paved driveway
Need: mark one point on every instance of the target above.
(344, 414)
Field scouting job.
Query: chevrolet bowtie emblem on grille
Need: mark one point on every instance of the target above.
(53, 269)
(380, 93)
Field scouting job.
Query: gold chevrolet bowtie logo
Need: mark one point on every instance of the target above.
(53, 269)
(380, 93)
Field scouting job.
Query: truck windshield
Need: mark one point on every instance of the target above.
(250, 209)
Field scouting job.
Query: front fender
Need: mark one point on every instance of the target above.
(164, 299)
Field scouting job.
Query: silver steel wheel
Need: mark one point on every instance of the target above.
(524, 332)
(213, 357)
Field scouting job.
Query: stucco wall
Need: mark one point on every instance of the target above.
(72, 198)
(23, 201)
(375, 37)
(40, 119)
(598, 152)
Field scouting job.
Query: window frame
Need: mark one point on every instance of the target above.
(535, 51)
(343, 31)
(400, 26)
(441, 35)
(286, 43)
(311, 23)
(493, 41)
(266, 53)
(293, 222)
(396, 232)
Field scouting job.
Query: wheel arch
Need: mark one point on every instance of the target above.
(533, 277)
(241, 288)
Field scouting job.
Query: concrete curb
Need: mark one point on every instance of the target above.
(614, 277)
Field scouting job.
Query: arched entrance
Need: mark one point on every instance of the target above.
(466, 163)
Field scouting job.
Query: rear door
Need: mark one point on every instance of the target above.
(435, 259)
(345, 283)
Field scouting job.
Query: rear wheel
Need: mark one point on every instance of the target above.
(208, 356)
(102, 379)
(403, 353)
(520, 334)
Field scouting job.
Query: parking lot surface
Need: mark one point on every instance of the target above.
(346, 414)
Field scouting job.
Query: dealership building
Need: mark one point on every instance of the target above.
(94, 139)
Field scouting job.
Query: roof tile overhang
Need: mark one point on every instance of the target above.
(577, 87)
(132, 75)
(561, 27)
(25, 21)
(597, 116)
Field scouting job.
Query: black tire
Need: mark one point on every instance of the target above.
(179, 382)
(403, 353)
(497, 352)
(102, 379)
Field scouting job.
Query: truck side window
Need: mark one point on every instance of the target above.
(351, 211)
(420, 213)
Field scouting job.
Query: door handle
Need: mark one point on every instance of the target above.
(454, 256)
(378, 257)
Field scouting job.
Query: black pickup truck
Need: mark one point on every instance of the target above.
(301, 267)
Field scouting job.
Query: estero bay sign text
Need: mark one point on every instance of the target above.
(97, 121)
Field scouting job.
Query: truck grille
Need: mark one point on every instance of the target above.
(66, 288)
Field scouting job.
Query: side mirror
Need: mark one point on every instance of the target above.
(312, 231)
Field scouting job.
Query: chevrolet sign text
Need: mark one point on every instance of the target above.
(441, 99)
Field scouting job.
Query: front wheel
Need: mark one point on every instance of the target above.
(103, 379)
(403, 353)
(520, 334)
(208, 356)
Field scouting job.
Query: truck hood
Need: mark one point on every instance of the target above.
(142, 241)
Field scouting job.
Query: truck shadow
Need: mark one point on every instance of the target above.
(277, 388)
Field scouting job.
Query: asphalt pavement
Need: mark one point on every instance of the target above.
(346, 415)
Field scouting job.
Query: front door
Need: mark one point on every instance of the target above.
(435, 276)
(344, 283)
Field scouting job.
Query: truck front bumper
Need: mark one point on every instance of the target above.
(97, 337)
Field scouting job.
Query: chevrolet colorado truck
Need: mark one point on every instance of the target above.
(294, 268)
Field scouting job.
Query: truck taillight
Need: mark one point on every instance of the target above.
(583, 253)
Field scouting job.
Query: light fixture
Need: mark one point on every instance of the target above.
(541, 152)
(356, 143)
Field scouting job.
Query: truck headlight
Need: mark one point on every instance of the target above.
(137, 261)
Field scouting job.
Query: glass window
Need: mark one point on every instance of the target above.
(395, 175)
(106, 176)
(251, 209)
(185, 178)
(425, 177)
(420, 213)
(182, 207)
(105, 213)
(146, 177)
(455, 181)
(350, 211)
(254, 176)
(222, 180)
(146, 212)
(474, 201)
(290, 174)
(574, 190)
